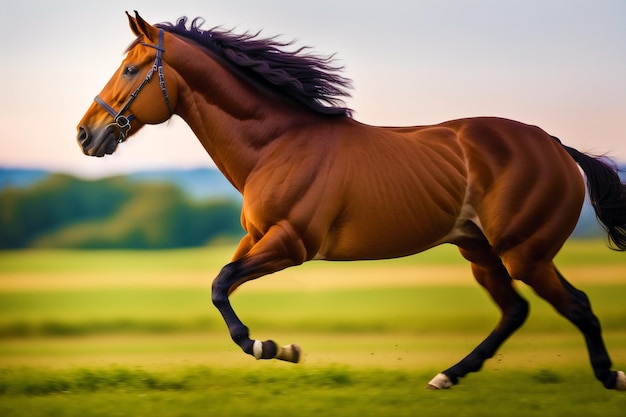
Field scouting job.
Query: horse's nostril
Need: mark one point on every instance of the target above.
(83, 137)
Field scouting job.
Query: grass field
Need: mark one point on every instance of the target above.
(105, 333)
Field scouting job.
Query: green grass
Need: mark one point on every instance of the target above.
(50, 260)
(331, 390)
(150, 348)
(401, 309)
(575, 252)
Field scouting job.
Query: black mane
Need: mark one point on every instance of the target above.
(306, 78)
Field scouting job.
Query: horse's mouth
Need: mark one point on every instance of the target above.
(99, 143)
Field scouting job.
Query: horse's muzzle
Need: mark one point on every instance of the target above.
(99, 143)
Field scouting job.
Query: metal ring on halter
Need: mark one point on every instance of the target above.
(123, 122)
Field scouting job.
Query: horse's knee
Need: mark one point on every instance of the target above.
(219, 297)
(220, 288)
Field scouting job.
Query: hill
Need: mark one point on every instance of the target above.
(61, 211)
(199, 183)
(31, 198)
(19, 177)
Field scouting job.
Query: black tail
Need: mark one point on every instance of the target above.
(607, 194)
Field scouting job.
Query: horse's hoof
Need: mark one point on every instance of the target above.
(621, 381)
(441, 381)
(290, 353)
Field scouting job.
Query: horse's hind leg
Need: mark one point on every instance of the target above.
(574, 305)
(493, 276)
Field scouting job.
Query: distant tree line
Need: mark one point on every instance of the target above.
(67, 212)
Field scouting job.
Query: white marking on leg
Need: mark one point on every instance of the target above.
(441, 381)
(621, 381)
(257, 349)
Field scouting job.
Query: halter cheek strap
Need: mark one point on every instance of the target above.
(123, 122)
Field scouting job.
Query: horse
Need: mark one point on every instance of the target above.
(319, 185)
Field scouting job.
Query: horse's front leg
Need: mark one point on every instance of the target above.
(270, 254)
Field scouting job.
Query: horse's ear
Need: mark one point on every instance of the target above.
(133, 25)
(141, 27)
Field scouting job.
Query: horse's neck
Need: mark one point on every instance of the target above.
(225, 138)
(233, 120)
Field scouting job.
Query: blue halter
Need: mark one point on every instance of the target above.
(123, 122)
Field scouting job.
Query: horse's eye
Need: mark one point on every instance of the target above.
(129, 71)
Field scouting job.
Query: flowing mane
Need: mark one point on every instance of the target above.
(306, 78)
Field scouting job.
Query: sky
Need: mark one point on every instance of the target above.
(558, 64)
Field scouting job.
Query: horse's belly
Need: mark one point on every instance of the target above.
(382, 249)
(387, 233)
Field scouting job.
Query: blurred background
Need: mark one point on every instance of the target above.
(559, 65)
(106, 264)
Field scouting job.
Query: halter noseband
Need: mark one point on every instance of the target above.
(123, 122)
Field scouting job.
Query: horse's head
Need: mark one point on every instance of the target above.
(142, 91)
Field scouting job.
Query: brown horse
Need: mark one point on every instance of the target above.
(319, 185)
